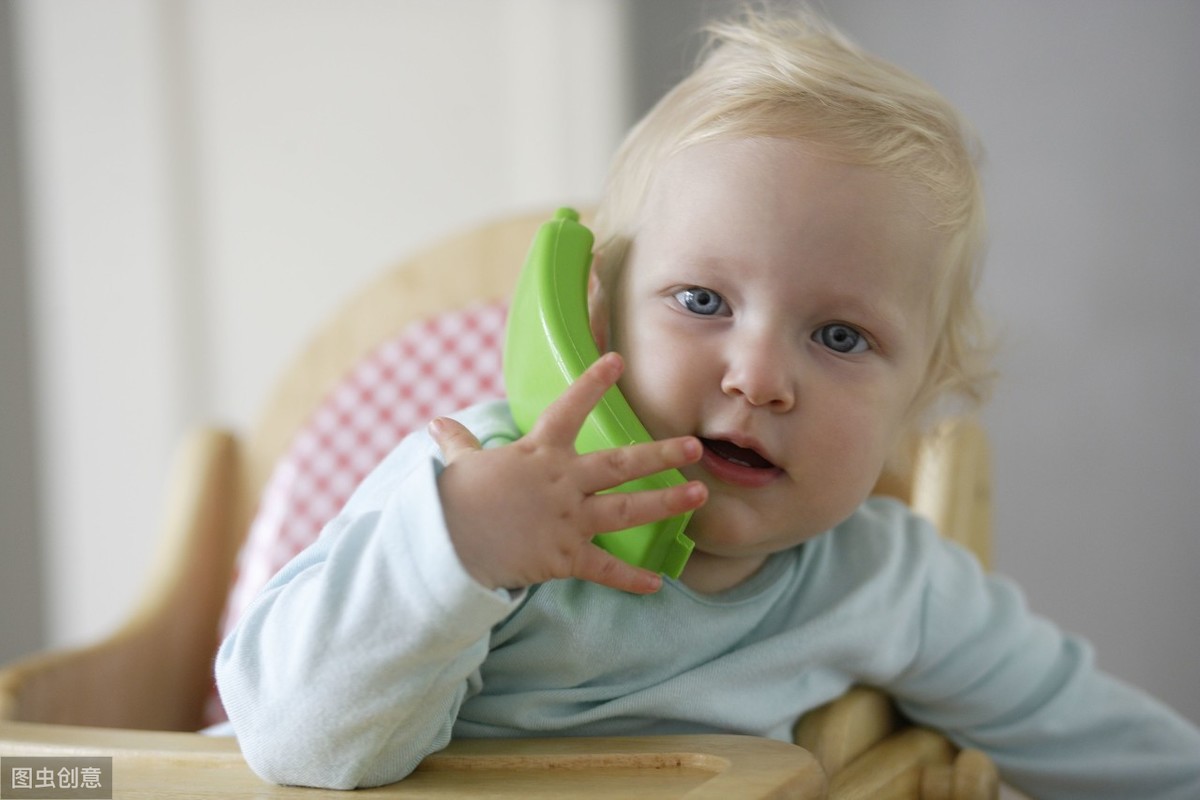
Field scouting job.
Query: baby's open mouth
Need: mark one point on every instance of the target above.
(741, 456)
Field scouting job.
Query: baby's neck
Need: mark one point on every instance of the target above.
(709, 574)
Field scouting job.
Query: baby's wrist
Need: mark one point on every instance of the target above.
(481, 565)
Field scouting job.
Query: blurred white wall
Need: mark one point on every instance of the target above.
(209, 178)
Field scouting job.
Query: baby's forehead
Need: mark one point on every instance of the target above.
(704, 190)
(825, 169)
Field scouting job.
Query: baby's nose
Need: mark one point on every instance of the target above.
(760, 375)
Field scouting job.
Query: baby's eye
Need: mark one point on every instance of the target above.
(702, 301)
(842, 339)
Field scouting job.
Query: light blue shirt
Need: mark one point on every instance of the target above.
(373, 647)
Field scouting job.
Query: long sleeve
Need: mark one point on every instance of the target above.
(999, 678)
(352, 664)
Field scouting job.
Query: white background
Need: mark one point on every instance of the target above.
(202, 182)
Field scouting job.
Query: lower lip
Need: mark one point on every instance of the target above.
(725, 470)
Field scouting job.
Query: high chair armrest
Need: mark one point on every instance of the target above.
(868, 750)
(154, 671)
(843, 729)
(917, 764)
(892, 770)
(972, 776)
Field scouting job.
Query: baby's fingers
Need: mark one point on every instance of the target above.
(597, 566)
(609, 468)
(616, 511)
(453, 438)
(562, 419)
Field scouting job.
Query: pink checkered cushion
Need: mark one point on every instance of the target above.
(435, 366)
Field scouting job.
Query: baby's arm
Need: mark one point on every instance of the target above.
(1006, 681)
(353, 663)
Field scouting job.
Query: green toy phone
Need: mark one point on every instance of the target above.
(548, 345)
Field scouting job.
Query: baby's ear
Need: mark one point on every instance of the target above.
(598, 306)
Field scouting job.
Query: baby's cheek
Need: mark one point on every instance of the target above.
(651, 395)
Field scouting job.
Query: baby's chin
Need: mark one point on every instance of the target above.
(716, 540)
(732, 528)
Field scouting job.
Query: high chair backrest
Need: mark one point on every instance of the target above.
(425, 339)
(433, 366)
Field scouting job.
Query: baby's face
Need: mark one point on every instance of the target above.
(774, 304)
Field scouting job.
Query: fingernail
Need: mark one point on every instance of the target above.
(652, 583)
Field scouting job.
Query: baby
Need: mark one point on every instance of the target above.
(788, 249)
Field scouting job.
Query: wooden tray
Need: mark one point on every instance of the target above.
(164, 766)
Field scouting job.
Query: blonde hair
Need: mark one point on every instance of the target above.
(795, 77)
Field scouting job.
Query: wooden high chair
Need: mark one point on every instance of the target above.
(139, 694)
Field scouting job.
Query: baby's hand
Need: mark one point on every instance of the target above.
(526, 513)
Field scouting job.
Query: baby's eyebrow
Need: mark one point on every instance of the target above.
(883, 319)
(704, 264)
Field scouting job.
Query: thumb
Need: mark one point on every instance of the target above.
(453, 438)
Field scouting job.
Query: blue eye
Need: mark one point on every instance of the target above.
(842, 339)
(701, 301)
